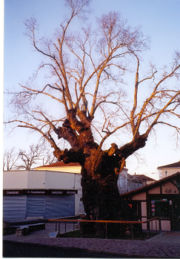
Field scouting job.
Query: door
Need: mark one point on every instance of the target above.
(14, 207)
(176, 214)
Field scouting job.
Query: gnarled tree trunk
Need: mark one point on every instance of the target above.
(100, 168)
(100, 192)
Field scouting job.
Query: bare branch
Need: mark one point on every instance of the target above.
(84, 73)
(10, 158)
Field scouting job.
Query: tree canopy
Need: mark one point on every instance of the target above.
(95, 86)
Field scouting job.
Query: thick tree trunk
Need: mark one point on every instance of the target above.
(100, 193)
(100, 196)
(101, 201)
(100, 168)
(99, 185)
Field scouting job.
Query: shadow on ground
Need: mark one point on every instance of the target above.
(15, 249)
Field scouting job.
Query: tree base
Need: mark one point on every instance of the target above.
(102, 230)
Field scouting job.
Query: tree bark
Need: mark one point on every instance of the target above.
(99, 186)
(100, 194)
(100, 170)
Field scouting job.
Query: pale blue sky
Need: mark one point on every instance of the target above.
(158, 19)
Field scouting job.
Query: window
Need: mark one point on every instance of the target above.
(160, 208)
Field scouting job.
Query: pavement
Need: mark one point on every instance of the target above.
(163, 245)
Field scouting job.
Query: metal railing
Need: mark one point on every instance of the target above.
(153, 223)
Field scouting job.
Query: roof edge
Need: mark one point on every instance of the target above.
(147, 187)
(173, 165)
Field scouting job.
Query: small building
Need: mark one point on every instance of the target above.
(41, 194)
(127, 182)
(167, 170)
(141, 179)
(158, 202)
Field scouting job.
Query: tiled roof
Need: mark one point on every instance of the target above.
(60, 164)
(141, 177)
(177, 164)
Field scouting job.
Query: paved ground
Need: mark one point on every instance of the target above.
(163, 245)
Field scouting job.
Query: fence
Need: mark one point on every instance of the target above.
(152, 224)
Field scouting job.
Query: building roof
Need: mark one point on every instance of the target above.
(152, 185)
(174, 165)
(59, 164)
(141, 177)
(61, 167)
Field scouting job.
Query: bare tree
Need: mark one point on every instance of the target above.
(27, 159)
(48, 158)
(36, 155)
(9, 160)
(93, 103)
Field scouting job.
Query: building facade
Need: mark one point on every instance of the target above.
(167, 170)
(52, 191)
(127, 182)
(158, 203)
(41, 194)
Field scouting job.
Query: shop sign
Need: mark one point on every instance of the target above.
(35, 192)
(57, 192)
(12, 192)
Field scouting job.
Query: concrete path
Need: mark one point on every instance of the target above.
(166, 237)
(163, 245)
